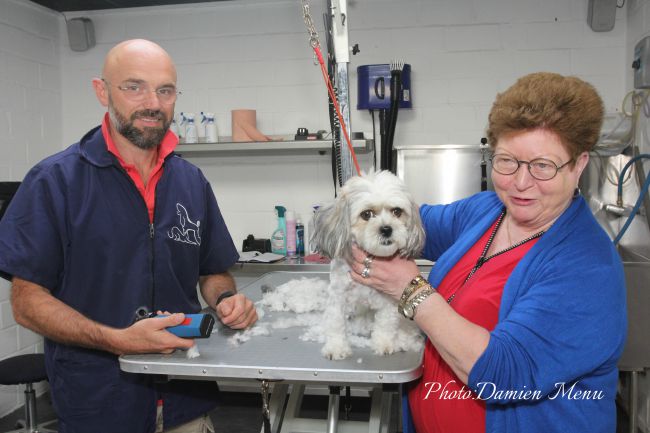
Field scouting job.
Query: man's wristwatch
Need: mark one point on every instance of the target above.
(224, 295)
(407, 309)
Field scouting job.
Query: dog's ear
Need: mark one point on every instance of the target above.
(415, 240)
(332, 229)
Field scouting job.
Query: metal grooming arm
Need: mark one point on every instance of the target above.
(339, 16)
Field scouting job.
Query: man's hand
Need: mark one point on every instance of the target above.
(237, 312)
(150, 336)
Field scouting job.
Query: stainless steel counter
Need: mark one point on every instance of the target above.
(298, 264)
(282, 355)
(288, 360)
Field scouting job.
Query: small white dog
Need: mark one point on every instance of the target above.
(377, 213)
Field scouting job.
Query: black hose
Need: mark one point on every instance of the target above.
(383, 127)
(395, 91)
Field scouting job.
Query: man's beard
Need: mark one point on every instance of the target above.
(146, 138)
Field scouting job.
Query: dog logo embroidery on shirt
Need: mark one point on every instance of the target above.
(188, 232)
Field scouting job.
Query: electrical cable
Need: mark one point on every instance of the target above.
(635, 210)
(383, 128)
(622, 174)
(639, 201)
(372, 116)
(395, 96)
(337, 169)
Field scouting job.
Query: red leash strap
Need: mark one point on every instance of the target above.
(335, 100)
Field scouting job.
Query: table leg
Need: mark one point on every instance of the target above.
(634, 404)
(333, 409)
(276, 406)
(380, 409)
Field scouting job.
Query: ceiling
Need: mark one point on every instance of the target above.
(91, 5)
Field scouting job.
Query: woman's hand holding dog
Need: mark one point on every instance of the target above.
(389, 275)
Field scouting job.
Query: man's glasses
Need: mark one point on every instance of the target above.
(540, 168)
(137, 92)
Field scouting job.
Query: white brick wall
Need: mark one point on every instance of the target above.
(254, 54)
(462, 53)
(30, 125)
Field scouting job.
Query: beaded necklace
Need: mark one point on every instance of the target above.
(483, 258)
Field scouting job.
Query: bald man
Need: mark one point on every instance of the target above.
(113, 228)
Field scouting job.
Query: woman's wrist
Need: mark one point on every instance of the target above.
(416, 283)
(415, 292)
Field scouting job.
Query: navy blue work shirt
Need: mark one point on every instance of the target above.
(79, 227)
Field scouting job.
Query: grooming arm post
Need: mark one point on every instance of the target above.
(339, 17)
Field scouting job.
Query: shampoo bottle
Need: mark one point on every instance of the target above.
(291, 233)
(279, 236)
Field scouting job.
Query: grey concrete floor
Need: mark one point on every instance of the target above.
(240, 412)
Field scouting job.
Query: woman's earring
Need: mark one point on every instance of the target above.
(576, 192)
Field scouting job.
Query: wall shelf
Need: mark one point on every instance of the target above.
(281, 145)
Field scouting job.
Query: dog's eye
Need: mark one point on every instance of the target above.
(367, 214)
(397, 212)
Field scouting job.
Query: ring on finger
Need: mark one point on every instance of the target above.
(366, 272)
(367, 261)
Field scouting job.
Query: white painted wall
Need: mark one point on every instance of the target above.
(254, 54)
(30, 129)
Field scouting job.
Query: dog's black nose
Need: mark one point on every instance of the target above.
(386, 231)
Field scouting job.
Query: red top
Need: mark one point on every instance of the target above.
(440, 402)
(148, 192)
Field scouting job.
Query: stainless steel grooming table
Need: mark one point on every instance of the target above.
(283, 358)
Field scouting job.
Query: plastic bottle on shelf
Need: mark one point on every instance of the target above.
(279, 237)
(181, 127)
(300, 237)
(291, 233)
(200, 127)
(311, 226)
(211, 133)
(191, 133)
(173, 127)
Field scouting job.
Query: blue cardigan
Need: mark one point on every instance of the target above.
(550, 365)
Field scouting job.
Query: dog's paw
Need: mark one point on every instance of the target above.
(383, 346)
(336, 351)
(386, 350)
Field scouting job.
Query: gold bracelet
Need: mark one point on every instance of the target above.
(408, 310)
(415, 284)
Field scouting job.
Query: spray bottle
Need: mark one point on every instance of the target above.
(191, 133)
(291, 233)
(279, 236)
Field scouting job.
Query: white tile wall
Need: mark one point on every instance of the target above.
(254, 54)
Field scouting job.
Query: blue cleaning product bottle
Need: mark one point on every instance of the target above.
(279, 236)
(300, 237)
